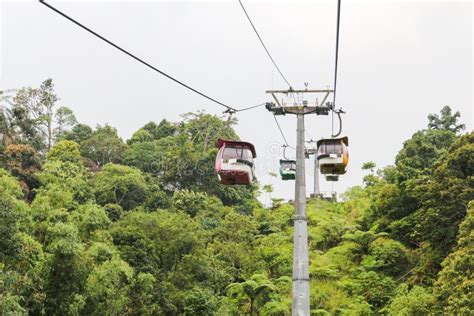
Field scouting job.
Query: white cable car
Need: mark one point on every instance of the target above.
(333, 157)
(234, 162)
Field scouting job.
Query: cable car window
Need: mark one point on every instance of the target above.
(321, 150)
(336, 148)
(330, 148)
(237, 152)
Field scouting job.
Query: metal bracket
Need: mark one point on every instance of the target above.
(300, 218)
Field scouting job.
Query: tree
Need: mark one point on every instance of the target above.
(151, 132)
(36, 108)
(369, 165)
(35, 119)
(205, 129)
(45, 113)
(182, 156)
(90, 218)
(7, 132)
(417, 301)
(391, 256)
(65, 119)
(370, 179)
(136, 236)
(446, 120)
(79, 133)
(421, 151)
(200, 302)
(142, 296)
(104, 146)
(444, 196)
(251, 294)
(64, 184)
(107, 288)
(13, 213)
(67, 270)
(455, 281)
(122, 185)
(375, 288)
(24, 116)
(23, 162)
(65, 150)
(192, 203)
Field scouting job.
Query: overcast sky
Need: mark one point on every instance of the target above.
(399, 61)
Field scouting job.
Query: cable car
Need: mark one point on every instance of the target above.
(333, 157)
(234, 162)
(287, 169)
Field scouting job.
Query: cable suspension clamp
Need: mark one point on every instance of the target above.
(300, 218)
(279, 108)
(229, 111)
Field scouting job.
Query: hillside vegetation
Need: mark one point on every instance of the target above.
(93, 225)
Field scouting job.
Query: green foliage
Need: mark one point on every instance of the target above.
(67, 271)
(193, 202)
(374, 288)
(369, 165)
(199, 301)
(446, 120)
(391, 256)
(103, 146)
(79, 133)
(23, 162)
(252, 294)
(89, 218)
(183, 157)
(33, 118)
(142, 296)
(64, 185)
(107, 287)
(134, 236)
(151, 132)
(114, 212)
(9, 186)
(421, 152)
(82, 234)
(415, 301)
(65, 119)
(65, 150)
(122, 185)
(456, 280)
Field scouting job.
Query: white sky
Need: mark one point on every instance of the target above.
(399, 61)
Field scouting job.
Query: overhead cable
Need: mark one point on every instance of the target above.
(135, 57)
(337, 50)
(281, 132)
(264, 46)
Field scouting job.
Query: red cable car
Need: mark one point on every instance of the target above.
(234, 162)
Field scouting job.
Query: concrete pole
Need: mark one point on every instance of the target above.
(300, 291)
(316, 175)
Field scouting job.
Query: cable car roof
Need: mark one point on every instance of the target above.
(221, 142)
(344, 139)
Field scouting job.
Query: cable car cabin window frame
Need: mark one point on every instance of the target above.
(234, 162)
(241, 153)
(330, 148)
(290, 163)
(290, 172)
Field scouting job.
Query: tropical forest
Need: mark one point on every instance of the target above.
(93, 224)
